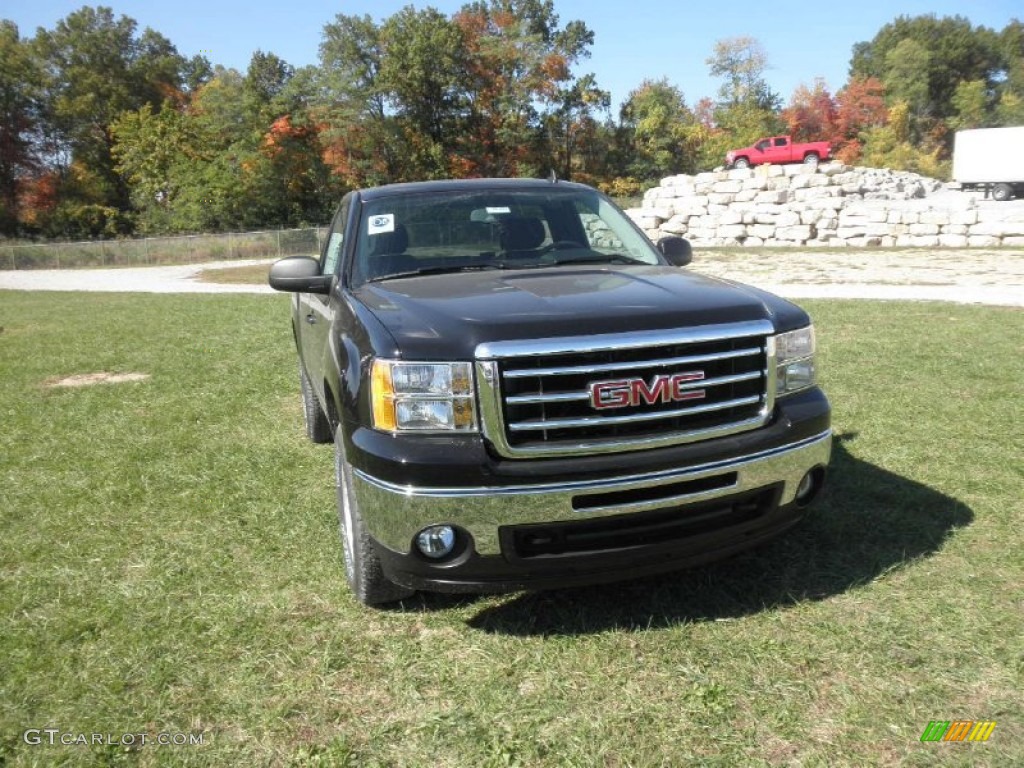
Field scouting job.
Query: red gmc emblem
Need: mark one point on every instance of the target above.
(664, 388)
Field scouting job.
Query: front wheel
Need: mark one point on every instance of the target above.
(741, 162)
(1002, 192)
(363, 569)
(811, 158)
(318, 426)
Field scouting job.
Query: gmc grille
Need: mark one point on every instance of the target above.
(654, 388)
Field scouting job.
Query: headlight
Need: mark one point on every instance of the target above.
(794, 357)
(422, 397)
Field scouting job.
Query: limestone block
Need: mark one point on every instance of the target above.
(822, 203)
(924, 229)
(818, 180)
(953, 241)
(924, 241)
(797, 233)
(753, 241)
(1016, 242)
(774, 196)
(967, 217)
(788, 219)
(848, 233)
(772, 171)
(982, 241)
(690, 206)
(764, 231)
(895, 217)
(731, 216)
(878, 215)
(911, 217)
(832, 169)
(935, 217)
(746, 195)
(740, 174)
(756, 183)
(876, 229)
(999, 228)
(732, 230)
(954, 229)
(810, 216)
(728, 187)
(721, 198)
(853, 219)
(677, 225)
(800, 182)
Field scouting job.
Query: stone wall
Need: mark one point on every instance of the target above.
(831, 205)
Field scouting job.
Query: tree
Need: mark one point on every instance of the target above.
(742, 61)
(812, 113)
(860, 106)
(971, 104)
(19, 79)
(95, 68)
(936, 54)
(662, 133)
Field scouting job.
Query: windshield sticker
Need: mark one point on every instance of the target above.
(494, 211)
(382, 223)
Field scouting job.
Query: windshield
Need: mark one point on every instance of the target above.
(431, 232)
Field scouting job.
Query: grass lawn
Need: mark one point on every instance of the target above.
(255, 274)
(169, 563)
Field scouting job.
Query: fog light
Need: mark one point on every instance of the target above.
(809, 486)
(436, 542)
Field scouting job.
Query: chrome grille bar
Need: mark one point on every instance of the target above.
(598, 421)
(569, 370)
(566, 397)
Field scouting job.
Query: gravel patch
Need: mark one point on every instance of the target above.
(968, 276)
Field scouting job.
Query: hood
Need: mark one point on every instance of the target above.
(446, 316)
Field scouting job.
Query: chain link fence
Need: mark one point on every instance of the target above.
(186, 249)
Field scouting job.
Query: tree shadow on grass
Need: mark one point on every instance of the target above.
(868, 522)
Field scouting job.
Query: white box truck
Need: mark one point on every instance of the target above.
(991, 159)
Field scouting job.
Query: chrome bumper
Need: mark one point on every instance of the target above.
(393, 514)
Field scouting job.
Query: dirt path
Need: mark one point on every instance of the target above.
(969, 276)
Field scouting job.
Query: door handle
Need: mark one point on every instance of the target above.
(311, 318)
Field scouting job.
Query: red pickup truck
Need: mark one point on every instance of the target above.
(778, 149)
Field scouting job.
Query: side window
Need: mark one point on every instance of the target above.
(780, 142)
(335, 240)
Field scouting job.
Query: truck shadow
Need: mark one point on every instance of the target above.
(869, 522)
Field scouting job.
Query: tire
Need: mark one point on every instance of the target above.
(363, 569)
(811, 158)
(1002, 192)
(318, 426)
(741, 162)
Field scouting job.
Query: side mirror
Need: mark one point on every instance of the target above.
(676, 249)
(299, 274)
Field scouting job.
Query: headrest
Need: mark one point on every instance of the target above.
(390, 242)
(521, 233)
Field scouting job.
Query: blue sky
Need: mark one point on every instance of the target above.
(634, 39)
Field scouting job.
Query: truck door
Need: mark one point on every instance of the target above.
(780, 150)
(315, 310)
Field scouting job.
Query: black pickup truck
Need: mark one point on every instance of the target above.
(524, 392)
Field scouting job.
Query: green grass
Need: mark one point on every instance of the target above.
(256, 274)
(169, 562)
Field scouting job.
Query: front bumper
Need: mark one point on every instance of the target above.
(590, 530)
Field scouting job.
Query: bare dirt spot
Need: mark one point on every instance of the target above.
(90, 379)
